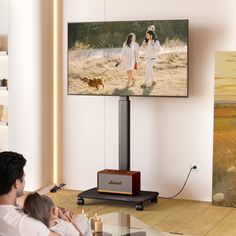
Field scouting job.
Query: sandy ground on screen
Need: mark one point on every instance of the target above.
(170, 72)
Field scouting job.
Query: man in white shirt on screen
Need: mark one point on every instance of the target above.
(13, 221)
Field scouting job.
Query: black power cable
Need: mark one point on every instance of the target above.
(192, 168)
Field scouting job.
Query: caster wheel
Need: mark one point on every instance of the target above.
(80, 201)
(139, 207)
(154, 200)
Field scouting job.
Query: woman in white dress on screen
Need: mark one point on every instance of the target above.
(129, 57)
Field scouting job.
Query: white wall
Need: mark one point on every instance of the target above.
(167, 134)
(4, 14)
(30, 86)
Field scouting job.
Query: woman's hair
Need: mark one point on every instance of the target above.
(38, 207)
(129, 39)
(152, 34)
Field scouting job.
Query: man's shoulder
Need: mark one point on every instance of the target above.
(7, 210)
(15, 219)
(30, 226)
(14, 215)
(27, 220)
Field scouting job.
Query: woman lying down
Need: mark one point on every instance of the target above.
(42, 208)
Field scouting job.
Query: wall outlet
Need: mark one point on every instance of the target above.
(194, 164)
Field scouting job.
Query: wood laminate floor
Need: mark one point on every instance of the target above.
(179, 216)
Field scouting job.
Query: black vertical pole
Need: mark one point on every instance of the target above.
(124, 133)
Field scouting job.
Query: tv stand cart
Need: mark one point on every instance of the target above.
(124, 164)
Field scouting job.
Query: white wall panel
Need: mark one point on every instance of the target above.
(167, 134)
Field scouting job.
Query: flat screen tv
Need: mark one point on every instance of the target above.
(128, 58)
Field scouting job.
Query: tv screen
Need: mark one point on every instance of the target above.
(128, 58)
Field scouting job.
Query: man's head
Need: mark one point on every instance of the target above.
(12, 173)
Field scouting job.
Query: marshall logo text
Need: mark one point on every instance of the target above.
(115, 182)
